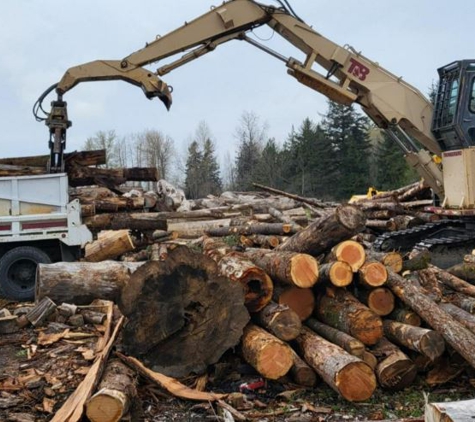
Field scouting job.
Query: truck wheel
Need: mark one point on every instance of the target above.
(18, 272)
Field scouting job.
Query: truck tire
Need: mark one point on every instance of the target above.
(18, 272)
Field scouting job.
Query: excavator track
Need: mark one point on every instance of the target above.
(447, 240)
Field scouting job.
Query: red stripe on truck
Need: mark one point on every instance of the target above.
(44, 224)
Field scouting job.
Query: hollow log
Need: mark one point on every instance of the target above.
(110, 245)
(345, 341)
(428, 342)
(406, 316)
(323, 234)
(292, 268)
(175, 323)
(346, 374)
(395, 371)
(465, 318)
(337, 273)
(115, 394)
(271, 357)
(280, 320)
(341, 310)
(301, 301)
(82, 282)
(350, 252)
(379, 300)
(302, 373)
(392, 260)
(257, 285)
(372, 274)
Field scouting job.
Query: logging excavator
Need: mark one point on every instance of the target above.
(422, 130)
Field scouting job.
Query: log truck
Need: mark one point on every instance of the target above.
(422, 130)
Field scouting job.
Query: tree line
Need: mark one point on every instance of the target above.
(340, 155)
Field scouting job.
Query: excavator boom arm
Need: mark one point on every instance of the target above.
(340, 73)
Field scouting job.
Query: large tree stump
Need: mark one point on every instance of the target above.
(296, 269)
(323, 234)
(182, 316)
(82, 282)
(280, 321)
(428, 342)
(395, 370)
(345, 341)
(271, 357)
(345, 373)
(341, 310)
(115, 394)
(455, 334)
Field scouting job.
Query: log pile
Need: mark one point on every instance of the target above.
(290, 284)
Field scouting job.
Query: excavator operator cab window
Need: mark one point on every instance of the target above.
(453, 98)
(472, 97)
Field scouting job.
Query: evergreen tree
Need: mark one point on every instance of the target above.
(392, 170)
(193, 172)
(250, 134)
(269, 169)
(211, 179)
(348, 132)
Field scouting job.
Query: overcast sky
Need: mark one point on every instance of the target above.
(40, 39)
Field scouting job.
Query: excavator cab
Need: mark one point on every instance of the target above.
(453, 123)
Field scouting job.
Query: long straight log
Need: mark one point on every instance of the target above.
(81, 176)
(270, 356)
(296, 269)
(345, 341)
(455, 334)
(428, 342)
(466, 303)
(395, 371)
(83, 158)
(465, 318)
(346, 374)
(455, 283)
(82, 282)
(323, 234)
(128, 221)
(258, 228)
(341, 310)
(110, 245)
(280, 320)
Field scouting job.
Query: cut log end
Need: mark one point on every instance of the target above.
(396, 372)
(381, 301)
(393, 260)
(351, 217)
(341, 274)
(432, 345)
(373, 274)
(356, 382)
(350, 252)
(275, 360)
(108, 406)
(258, 290)
(301, 301)
(304, 270)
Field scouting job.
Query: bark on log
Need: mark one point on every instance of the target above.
(83, 158)
(428, 342)
(406, 316)
(264, 241)
(395, 371)
(370, 359)
(341, 310)
(465, 318)
(114, 203)
(388, 225)
(466, 303)
(115, 394)
(454, 282)
(337, 273)
(379, 300)
(175, 323)
(110, 245)
(345, 341)
(301, 301)
(350, 252)
(372, 274)
(9, 324)
(392, 260)
(323, 234)
(86, 176)
(301, 373)
(296, 269)
(418, 260)
(346, 374)
(380, 214)
(271, 357)
(42, 310)
(280, 320)
(82, 282)
(125, 221)
(258, 228)
(459, 411)
(256, 284)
